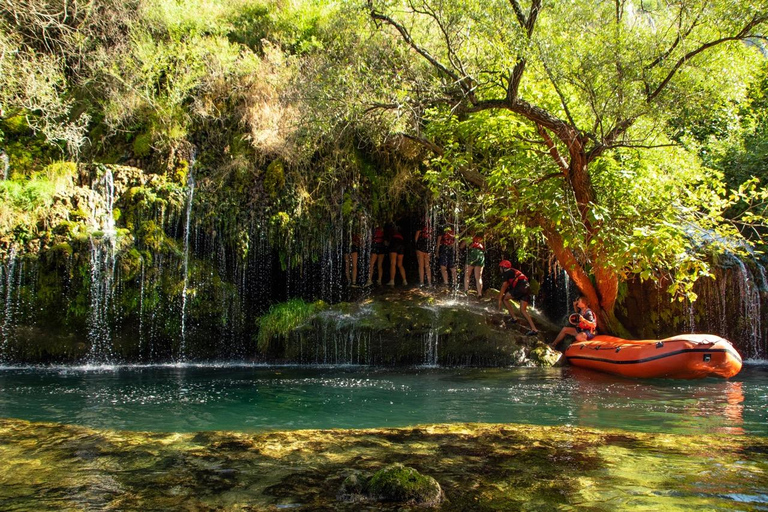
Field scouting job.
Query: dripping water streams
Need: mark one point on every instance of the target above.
(185, 265)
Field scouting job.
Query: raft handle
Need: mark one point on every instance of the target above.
(659, 344)
(617, 349)
(707, 358)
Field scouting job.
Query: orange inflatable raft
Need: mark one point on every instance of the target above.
(688, 356)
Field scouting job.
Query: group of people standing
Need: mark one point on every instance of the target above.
(515, 284)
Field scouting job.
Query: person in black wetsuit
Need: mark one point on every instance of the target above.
(516, 288)
(378, 251)
(396, 255)
(350, 261)
(447, 255)
(424, 247)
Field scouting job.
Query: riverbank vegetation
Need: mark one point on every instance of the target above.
(621, 140)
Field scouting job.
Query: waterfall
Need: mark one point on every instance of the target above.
(102, 277)
(431, 342)
(141, 309)
(185, 265)
(751, 309)
(7, 288)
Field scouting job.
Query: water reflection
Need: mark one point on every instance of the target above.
(713, 405)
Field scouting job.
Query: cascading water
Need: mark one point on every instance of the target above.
(7, 289)
(751, 307)
(102, 265)
(185, 265)
(432, 341)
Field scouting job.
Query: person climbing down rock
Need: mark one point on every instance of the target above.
(515, 287)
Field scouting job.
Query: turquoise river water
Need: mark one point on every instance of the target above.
(247, 398)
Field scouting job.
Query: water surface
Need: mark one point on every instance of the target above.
(256, 398)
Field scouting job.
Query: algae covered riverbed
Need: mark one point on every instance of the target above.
(267, 438)
(479, 466)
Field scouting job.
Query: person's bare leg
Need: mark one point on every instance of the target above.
(524, 311)
(401, 267)
(392, 267)
(444, 273)
(455, 276)
(479, 280)
(565, 331)
(508, 304)
(353, 257)
(381, 268)
(374, 258)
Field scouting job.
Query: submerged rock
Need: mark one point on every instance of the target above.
(403, 484)
(392, 484)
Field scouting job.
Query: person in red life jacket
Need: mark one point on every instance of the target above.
(516, 287)
(424, 247)
(447, 255)
(378, 251)
(475, 264)
(396, 254)
(583, 323)
(350, 261)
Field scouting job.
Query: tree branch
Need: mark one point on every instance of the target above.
(743, 34)
(462, 82)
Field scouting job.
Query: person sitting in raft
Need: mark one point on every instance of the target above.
(584, 323)
(516, 287)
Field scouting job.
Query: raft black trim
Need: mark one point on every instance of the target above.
(660, 356)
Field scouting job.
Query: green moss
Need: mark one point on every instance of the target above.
(284, 318)
(142, 145)
(404, 484)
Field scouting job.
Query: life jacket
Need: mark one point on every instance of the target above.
(477, 245)
(397, 236)
(447, 238)
(587, 325)
(516, 277)
(378, 236)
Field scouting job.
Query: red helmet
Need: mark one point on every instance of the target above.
(505, 264)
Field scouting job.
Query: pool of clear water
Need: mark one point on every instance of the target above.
(247, 398)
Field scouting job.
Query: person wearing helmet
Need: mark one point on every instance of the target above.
(424, 244)
(516, 287)
(396, 255)
(378, 251)
(447, 255)
(584, 323)
(475, 264)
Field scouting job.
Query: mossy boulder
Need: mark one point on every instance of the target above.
(395, 483)
(409, 327)
(404, 484)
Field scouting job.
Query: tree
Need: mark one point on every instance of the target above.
(593, 84)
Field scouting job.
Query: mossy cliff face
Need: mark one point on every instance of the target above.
(478, 467)
(408, 328)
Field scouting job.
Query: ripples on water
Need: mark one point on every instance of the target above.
(192, 397)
